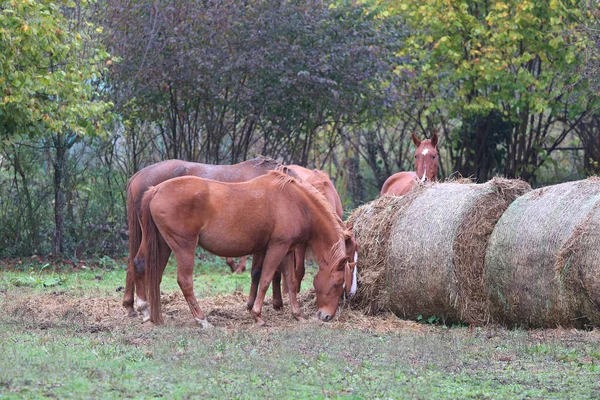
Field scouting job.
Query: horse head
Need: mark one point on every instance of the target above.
(426, 158)
(339, 278)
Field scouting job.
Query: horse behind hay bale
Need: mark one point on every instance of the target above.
(426, 166)
(542, 265)
(422, 254)
(269, 215)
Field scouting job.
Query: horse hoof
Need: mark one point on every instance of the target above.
(132, 314)
(249, 306)
(146, 316)
(257, 318)
(277, 306)
(204, 324)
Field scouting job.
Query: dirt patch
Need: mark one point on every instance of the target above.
(102, 314)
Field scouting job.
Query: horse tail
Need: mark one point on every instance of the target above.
(149, 248)
(135, 237)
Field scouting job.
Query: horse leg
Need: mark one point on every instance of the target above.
(231, 262)
(140, 277)
(287, 265)
(257, 262)
(129, 293)
(241, 265)
(277, 299)
(299, 269)
(273, 258)
(185, 271)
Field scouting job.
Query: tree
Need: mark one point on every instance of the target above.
(47, 77)
(44, 84)
(222, 79)
(507, 71)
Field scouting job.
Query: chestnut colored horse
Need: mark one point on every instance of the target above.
(165, 170)
(320, 181)
(426, 165)
(269, 215)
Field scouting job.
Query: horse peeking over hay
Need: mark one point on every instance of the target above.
(426, 165)
(269, 215)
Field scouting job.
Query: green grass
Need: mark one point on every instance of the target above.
(212, 277)
(68, 360)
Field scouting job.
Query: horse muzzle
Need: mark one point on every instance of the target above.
(324, 316)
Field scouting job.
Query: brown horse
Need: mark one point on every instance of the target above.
(269, 215)
(320, 181)
(426, 165)
(165, 170)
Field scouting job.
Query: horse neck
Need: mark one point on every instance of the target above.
(326, 239)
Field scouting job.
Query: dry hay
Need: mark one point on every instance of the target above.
(372, 227)
(542, 267)
(421, 255)
(102, 314)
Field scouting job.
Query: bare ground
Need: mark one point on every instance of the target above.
(226, 312)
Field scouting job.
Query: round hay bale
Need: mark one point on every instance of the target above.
(541, 267)
(578, 265)
(372, 226)
(422, 254)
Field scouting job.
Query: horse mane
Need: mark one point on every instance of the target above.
(284, 176)
(265, 162)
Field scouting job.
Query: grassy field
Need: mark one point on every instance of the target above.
(63, 334)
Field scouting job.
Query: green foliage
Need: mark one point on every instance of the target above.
(46, 74)
(94, 220)
(521, 59)
(37, 278)
(236, 74)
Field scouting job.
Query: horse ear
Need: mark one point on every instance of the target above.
(434, 140)
(416, 140)
(348, 233)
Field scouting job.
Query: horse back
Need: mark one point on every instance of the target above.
(321, 181)
(399, 183)
(229, 219)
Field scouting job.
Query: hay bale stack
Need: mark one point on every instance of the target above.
(542, 263)
(426, 249)
(372, 226)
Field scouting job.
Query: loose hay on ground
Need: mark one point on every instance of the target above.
(423, 254)
(542, 267)
(99, 314)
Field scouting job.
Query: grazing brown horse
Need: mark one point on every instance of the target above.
(320, 181)
(426, 165)
(165, 170)
(269, 216)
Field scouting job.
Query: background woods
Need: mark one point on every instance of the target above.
(92, 91)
